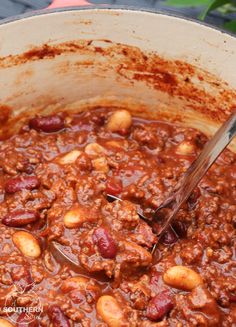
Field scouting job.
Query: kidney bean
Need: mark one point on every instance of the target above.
(47, 124)
(16, 184)
(159, 306)
(105, 243)
(113, 186)
(22, 277)
(57, 317)
(23, 321)
(20, 218)
(232, 298)
(169, 237)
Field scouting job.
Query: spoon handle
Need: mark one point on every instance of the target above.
(198, 169)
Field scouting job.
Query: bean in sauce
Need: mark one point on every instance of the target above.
(191, 282)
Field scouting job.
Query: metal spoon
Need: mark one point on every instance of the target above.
(188, 181)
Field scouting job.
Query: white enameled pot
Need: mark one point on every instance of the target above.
(75, 58)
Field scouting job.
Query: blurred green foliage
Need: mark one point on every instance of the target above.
(224, 6)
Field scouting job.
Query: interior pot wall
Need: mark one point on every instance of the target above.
(169, 36)
(75, 60)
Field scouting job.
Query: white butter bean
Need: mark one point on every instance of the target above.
(119, 120)
(94, 150)
(182, 277)
(185, 148)
(75, 217)
(110, 311)
(5, 323)
(70, 157)
(27, 244)
(100, 164)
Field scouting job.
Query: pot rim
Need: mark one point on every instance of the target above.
(114, 7)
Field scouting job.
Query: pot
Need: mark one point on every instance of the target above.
(152, 63)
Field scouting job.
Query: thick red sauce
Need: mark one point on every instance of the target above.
(55, 175)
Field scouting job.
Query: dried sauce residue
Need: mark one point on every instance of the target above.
(203, 91)
(5, 114)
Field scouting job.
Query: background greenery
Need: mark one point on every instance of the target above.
(224, 6)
